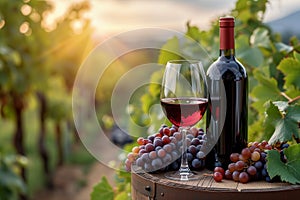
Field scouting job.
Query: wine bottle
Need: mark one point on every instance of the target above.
(227, 111)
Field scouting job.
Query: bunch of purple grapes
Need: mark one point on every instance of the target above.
(162, 150)
(250, 164)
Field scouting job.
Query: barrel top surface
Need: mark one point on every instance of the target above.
(206, 182)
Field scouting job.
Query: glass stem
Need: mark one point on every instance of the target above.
(184, 167)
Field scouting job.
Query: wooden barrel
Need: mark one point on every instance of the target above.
(155, 186)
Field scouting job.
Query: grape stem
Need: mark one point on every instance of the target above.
(291, 100)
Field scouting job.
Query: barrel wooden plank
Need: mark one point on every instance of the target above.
(156, 186)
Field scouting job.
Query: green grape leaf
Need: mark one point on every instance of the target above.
(291, 69)
(297, 55)
(169, 51)
(102, 191)
(288, 171)
(284, 123)
(273, 115)
(251, 56)
(266, 89)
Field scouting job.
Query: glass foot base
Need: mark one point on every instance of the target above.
(175, 175)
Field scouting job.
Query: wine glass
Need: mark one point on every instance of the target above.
(184, 101)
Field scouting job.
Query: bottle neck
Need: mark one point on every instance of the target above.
(228, 53)
(227, 41)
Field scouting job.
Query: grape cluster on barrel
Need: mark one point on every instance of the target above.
(162, 150)
(249, 164)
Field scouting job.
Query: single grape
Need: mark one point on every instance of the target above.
(158, 142)
(231, 167)
(234, 157)
(192, 149)
(243, 177)
(228, 175)
(255, 156)
(178, 136)
(167, 159)
(220, 169)
(165, 139)
(149, 147)
(140, 140)
(258, 165)
(135, 149)
(246, 153)
(251, 170)
(131, 156)
(196, 163)
(139, 162)
(161, 153)
(195, 141)
(239, 165)
(166, 131)
(218, 176)
(168, 148)
(194, 131)
(235, 176)
(200, 154)
(199, 147)
(152, 155)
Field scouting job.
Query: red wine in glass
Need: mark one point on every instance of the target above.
(183, 99)
(184, 111)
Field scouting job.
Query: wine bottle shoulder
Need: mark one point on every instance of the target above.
(226, 69)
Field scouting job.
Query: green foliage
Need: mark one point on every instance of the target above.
(289, 171)
(11, 183)
(282, 122)
(102, 191)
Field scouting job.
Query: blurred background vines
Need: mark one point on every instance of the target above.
(273, 68)
(38, 64)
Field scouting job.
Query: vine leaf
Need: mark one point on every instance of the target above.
(102, 191)
(266, 90)
(284, 123)
(288, 171)
(291, 69)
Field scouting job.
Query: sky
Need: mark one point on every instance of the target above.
(116, 16)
